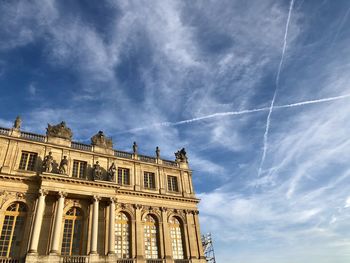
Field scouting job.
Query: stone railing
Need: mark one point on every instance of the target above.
(33, 136)
(10, 260)
(170, 163)
(147, 159)
(81, 146)
(122, 154)
(75, 259)
(126, 260)
(5, 131)
(155, 261)
(181, 260)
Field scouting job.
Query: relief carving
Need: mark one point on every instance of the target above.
(101, 140)
(60, 130)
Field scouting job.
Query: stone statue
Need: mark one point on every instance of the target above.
(134, 148)
(180, 156)
(101, 140)
(111, 172)
(48, 163)
(17, 123)
(157, 152)
(97, 172)
(60, 130)
(63, 169)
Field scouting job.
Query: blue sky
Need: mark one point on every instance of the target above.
(135, 69)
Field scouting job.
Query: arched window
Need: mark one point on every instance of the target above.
(176, 238)
(12, 230)
(73, 232)
(122, 236)
(151, 237)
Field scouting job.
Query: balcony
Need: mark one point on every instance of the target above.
(10, 260)
(75, 259)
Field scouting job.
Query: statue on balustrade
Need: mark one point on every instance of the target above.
(60, 130)
(111, 172)
(134, 148)
(48, 163)
(17, 123)
(63, 169)
(101, 140)
(180, 156)
(157, 152)
(97, 172)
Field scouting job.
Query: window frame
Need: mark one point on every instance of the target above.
(125, 234)
(17, 218)
(149, 180)
(177, 238)
(171, 186)
(151, 227)
(73, 219)
(80, 171)
(125, 177)
(30, 162)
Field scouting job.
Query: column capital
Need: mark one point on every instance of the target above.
(138, 206)
(164, 209)
(43, 192)
(96, 198)
(62, 194)
(113, 200)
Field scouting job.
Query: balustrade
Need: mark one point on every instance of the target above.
(126, 260)
(170, 163)
(33, 136)
(10, 260)
(75, 259)
(122, 154)
(81, 146)
(147, 159)
(5, 131)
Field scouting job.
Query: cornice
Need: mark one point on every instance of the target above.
(158, 196)
(20, 178)
(63, 179)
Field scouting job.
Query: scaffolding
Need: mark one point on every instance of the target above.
(208, 248)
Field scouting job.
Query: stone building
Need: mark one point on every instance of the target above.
(63, 201)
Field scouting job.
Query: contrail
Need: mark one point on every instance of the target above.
(266, 134)
(231, 113)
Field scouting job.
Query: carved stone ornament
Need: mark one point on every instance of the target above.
(101, 140)
(180, 156)
(60, 130)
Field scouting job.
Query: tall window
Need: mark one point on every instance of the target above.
(122, 236)
(28, 160)
(123, 176)
(149, 180)
(176, 238)
(172, 183)
(12, 230)
(73, 232)
(79, 168)
(151, 237)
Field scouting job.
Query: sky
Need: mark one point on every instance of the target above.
(258, 92)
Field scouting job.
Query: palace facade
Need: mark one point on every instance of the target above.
(63, 201)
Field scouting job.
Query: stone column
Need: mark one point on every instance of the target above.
(111, 243)
(94, 232)
(34, 241)
(192, 236)
(58, 223)
(166, 234)
(199, 239)
(139, 234)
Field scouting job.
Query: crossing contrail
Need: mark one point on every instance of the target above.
(242, 112)
(266, 134)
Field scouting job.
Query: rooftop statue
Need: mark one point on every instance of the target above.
(17, 123)
(180, 156)
(101, 140)
(60, 130)
(134, 148)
